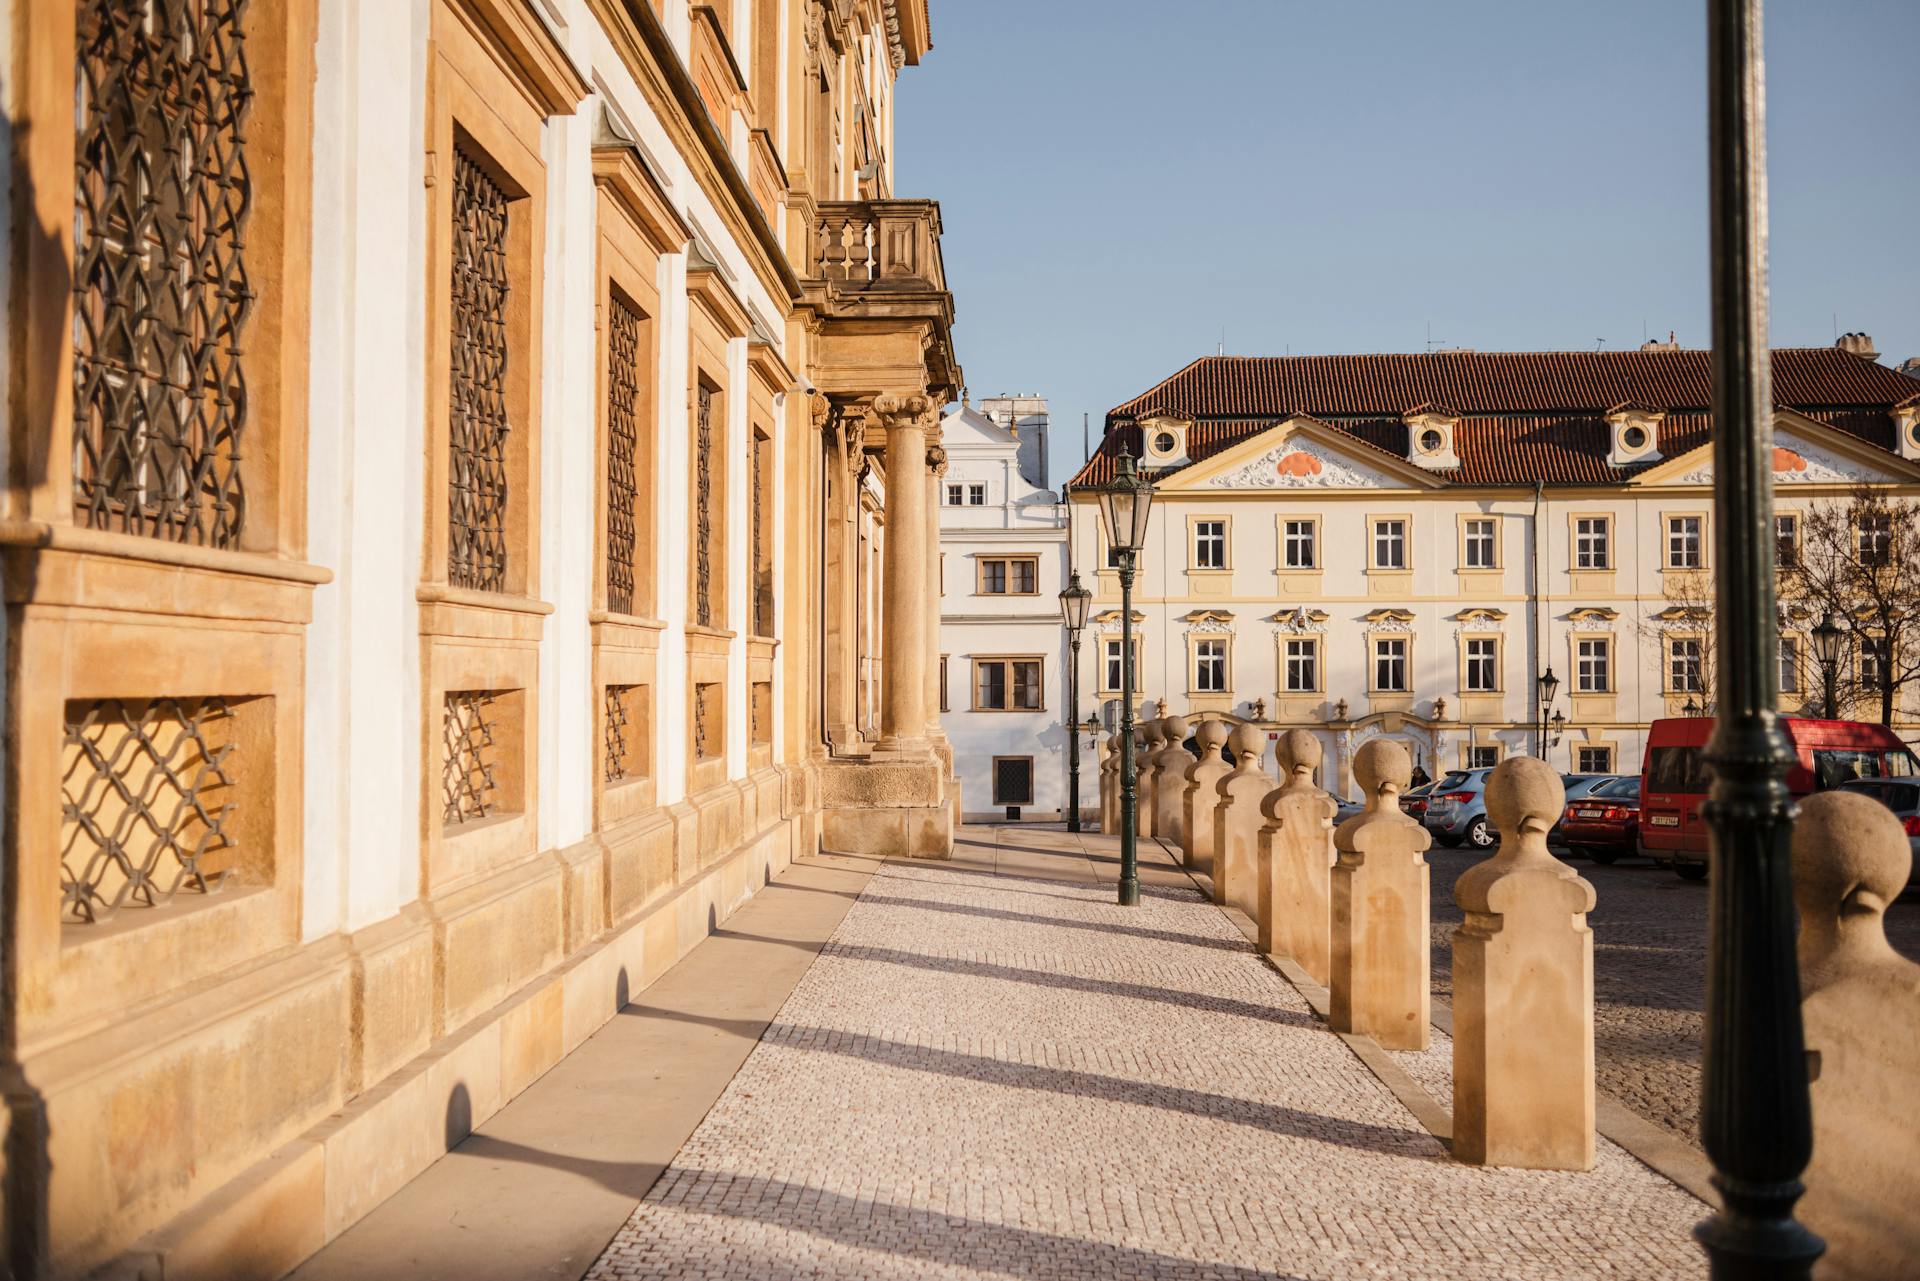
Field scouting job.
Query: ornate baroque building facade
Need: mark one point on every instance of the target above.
(1401, 545)
(466, 461)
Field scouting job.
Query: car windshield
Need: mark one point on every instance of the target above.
(1625, 789)
(1901, 798)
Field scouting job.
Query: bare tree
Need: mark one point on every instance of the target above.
(1859, 560)
(1687, 621)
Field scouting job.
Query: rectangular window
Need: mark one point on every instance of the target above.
(760, 533)
(1303, 664)
(705, 522)
(1789, 664)
(1593, 664)
(1009, 575)
(1594, 760)
(1006, 685)
(1483, 756)
(1592, 538)
(1483, 671)
(1873, 661)
(1210, 544)
(629, 732)
(1390, 664)
(1210, 666)
(976, 495)
(1298, 550)
(477, 490)
(623, 438)
(1113, 557)
(1481, 551)
(1684, 671)
(1389, 544)
(943, 683)
(956, 495)
(1013, 780)
(1875, 532)
(1112, 652)
(1786, 538)
(1683, 543)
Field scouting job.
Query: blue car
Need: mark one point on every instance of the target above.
(1457, 810)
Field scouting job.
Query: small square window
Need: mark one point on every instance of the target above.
(976, 495)
(1594, 760)
(1483, 756)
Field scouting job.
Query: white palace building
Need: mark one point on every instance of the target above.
(1401, 545)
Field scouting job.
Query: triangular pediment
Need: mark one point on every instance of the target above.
(1301, 453)
(1805, 452)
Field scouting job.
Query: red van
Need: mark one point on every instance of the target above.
(1674, 777)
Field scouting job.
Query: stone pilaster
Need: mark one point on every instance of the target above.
(904, 643)
(936, 468)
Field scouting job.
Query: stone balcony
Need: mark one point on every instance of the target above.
(874, 275)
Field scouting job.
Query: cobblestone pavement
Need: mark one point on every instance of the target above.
(993, 1071)
(1649, 977)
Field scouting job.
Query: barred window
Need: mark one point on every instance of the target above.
(623, 393)
(162, 195)
(469, 783)
(760, 535)
(477, 388)
(703, 529)
(1595, 760)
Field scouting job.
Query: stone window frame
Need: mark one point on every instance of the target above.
(1032, 782)
(1574, 536)
(977, 661)
(1374, 640)
(104, 615)
(1463, 540)
(1318, 641)
(1195, 639)
(495, 77)
(1374, 521)
(1194, 521)
(981, 561)
(1575, 638)
(1668, 661)
(1786, 549)
(635, 227)
(1139, 660)
(1612, 754)
(1667, 563)
(1469, 755)
(1317, 564)
(1499, 640)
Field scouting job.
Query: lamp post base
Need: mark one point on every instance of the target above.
(1130, 891)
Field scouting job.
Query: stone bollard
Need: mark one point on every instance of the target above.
(1146, 758)
(1170, 783)
(1861, 1010)
(1523, 988)
(1296, 860)
(1110, 786)
(1199, 798)
(1236, 821)
(1378, 982)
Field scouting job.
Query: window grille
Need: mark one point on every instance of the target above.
(469, 727)
(703, 508)
(760, 541)
(477, 385)
(1481, 756)
(616, 745)
(623, 393)
(161, 201)
(1013, 780)
(147, 803)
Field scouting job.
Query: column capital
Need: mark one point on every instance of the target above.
(897, 410)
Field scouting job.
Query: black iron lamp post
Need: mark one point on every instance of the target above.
(1124, 507)
(1756, 1121)
(1074, 600)
(1559, 729)
(1826, 647)
(1549, 685)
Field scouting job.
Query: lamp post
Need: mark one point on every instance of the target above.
(1826, 647)
(1124, 506)
(1549, 685)
(1074, 600)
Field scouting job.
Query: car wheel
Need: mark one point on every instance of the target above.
(1690, 871)
(1479, 835)
(1604, 857)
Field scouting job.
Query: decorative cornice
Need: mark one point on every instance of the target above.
(1300, 621)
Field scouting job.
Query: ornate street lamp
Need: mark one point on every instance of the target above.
(1826, 647)
(1549, 685)
(1124, 506)
(1690, 708)
(1559, 728)
(1074, 600)
(1756, 1119)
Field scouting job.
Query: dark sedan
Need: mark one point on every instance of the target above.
(1604, 824)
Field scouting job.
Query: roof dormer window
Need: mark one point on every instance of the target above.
(1906, 428)
(1166, 442)
(1430, 436)
(1635, 434)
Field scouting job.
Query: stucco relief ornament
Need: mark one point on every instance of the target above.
(1592, 620)
(1389, 620)
(937, 460)
(1794, 463)
(1296, 465)
(1300, 622)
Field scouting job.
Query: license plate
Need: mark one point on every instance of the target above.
(1586, 813)
(1664, 820)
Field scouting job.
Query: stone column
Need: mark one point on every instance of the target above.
(1378, 982)
(903, 694)
(1862, 1012)
(1199, 797)
(1236, 820)
(841, 661)
(1523, 989)
(936, 468)
(1296, 860)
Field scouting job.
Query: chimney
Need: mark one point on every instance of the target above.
(1860, 345)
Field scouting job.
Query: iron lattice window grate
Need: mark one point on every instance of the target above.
(623, 393)
(477, 426)
(703, 508)
(147, 803)
(162, 194)
(469, 787)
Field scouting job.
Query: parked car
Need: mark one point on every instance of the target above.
(1577, 786)
(1604, 822)
(1413, 801)
(1902, 796)
(1457, 810)
(1344, 809)
(1674, 777)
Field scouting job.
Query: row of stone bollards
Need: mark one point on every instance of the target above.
(1349, 905)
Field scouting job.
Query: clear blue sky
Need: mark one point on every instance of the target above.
(1123, 180)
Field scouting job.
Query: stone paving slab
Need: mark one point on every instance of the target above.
(992, 1070)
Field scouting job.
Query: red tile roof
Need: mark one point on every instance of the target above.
(1525, 416)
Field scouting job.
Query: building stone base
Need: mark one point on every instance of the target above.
(888, 809)
(236, 1130)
